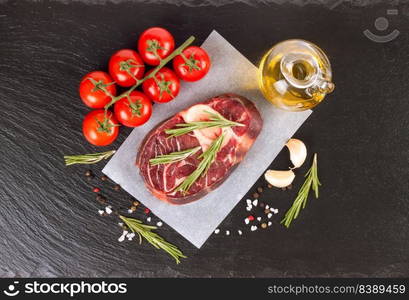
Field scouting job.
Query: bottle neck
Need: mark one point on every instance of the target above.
(302, 72)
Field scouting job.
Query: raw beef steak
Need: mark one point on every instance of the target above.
(161, 180)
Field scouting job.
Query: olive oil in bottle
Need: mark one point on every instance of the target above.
(295, 75)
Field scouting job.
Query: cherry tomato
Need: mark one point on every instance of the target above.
(193, 65)
(97, 130)
(155, 44)
(96, 89)
(124, 66)
(133, 111)
(164, 87)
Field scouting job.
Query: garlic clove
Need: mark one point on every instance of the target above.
(298, 152)
(279, 179)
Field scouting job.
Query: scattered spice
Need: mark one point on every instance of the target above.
(149, 219)
(288, 187)
(108, 209)
(227, 232)
(104, 178)
(117, 187)
(122, 237)
(260, 189)
(96, 190)
(217, 231)
(266, 211)
(101, 199)
(262, 204)
(251, 218)
(159, 224)
(269, 186)
(253, 228)
(88, 173)
(135, 203)
(264, 225)
(240, 232)
(256, 195)
(147, 211)
(131, 209)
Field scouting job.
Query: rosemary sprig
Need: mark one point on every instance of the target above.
(215, 120)
(173, 156)
(153, 238)
(299, 203)
(208, 158)
(87, 158)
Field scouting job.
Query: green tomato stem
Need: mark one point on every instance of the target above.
(163, 62)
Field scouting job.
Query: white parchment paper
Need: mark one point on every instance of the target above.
(231, 72)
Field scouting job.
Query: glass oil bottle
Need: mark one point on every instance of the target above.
(295, 75)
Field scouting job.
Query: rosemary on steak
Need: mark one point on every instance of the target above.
(173, 156)
(299, 203)
(153, 238)
(215, 121)
(87, 158)
(207, 158)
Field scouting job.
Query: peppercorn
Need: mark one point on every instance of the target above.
(104, 178)
(266, 211)
(88, 173)
(269, 186)
(264, 225)
(289, 187)
(101, 199)
(135, 203)
(256, 195)
(133, 208)
(260, 189)
(147, 210)
(117, 187)
(262, 204)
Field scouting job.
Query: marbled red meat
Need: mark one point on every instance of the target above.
(161, 180)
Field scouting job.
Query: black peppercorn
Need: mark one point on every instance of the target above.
(104, 178)
(88, 173)
(117, 187)
(256, 195)
(101, 199)
(260, 189)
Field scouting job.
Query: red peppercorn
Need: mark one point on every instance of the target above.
(251, 218)
(96, 190)
(147, 210)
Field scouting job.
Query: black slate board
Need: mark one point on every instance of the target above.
(48, 217)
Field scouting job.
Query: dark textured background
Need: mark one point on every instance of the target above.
(48, 216)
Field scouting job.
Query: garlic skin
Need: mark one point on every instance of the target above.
(298, 152)
(279, 179)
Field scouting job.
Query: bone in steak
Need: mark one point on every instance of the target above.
(161, 180)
